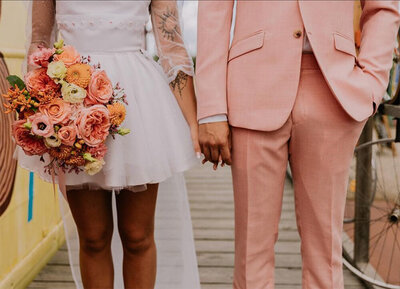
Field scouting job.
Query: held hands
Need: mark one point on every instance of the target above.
(215, 143)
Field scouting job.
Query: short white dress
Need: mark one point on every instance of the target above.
(112, 33)
(159, 148)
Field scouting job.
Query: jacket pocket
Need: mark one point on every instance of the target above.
(246, 45)
(344, 44)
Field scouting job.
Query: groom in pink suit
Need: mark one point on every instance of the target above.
(293, 89)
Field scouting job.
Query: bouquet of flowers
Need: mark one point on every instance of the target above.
(66, 108)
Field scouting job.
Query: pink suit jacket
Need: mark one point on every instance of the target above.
(255, 80)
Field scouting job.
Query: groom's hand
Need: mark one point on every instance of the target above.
(215, 142)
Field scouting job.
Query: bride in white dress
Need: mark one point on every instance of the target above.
(138, 201)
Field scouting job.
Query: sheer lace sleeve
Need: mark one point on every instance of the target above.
(167, 28)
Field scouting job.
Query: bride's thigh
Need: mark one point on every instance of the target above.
(136, 212)
(92, 212)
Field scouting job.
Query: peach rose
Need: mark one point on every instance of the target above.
(41, 56)
(41, 125)
(38, 80)
(29, 143)
(57, 110)
(93, 124)
(67, 135)
(98, 152)
(100, 88)
(69, 56)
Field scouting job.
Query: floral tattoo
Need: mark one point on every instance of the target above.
(180, 82)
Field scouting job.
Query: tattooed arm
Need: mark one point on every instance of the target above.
(183, 89)
(171, 49)
(175, 60)
(43, 18)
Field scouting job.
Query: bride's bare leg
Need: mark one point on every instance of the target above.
(136, 228)
(92, 212)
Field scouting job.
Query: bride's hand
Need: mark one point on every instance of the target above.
(32, 48)
(194, 132)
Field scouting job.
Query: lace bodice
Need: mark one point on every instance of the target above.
(106, 17)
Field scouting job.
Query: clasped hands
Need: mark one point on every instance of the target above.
(215, 143)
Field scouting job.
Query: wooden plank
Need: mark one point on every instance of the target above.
(227, 260)
(52, 285)
(228, 246)
(229, 224)
(229, 214)
(228, 234)
(59, 273)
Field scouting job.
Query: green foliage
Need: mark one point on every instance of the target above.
(15, 80)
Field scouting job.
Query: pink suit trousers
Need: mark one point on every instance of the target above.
(317, 140)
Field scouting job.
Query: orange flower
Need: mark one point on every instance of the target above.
(69, 56)
(17, 100)
(62, 152)
(117, 113)
(100, 88)
(45, 97)
(76, 161)
(79, 74)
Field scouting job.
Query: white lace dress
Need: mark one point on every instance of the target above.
(159, 147)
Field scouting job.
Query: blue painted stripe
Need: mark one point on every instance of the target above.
(30, 200)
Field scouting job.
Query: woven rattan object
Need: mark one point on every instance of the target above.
(7, 163)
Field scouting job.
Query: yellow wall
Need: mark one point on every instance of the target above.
(12, 33)
(25, 246)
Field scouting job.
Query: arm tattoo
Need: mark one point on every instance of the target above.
(180, 82)
(168, 24)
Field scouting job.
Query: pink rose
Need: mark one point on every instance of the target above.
(38, 80)
(67, 135)
(98, 152)
(57, 110)
(41, 125)
(100, 88)
(69, 56)
(29, 143)
(41, 56)
(93, 124)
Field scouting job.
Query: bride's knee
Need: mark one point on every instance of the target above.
(96, 242)
(137, 241)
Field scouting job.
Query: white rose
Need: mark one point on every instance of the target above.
(57, 70)
(92, 168)
(52, 141)
(72, 93)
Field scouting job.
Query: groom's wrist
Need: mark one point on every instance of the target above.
(214, 118)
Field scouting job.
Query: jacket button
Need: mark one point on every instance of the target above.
(297, 34)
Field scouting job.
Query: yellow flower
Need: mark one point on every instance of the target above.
(56, 70)
(92, 168)
(79, 74)
(59, 44)
(73, 93)
(124, 131)
(117, 113)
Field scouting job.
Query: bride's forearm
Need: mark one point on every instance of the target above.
(183, 89)
(43, 17)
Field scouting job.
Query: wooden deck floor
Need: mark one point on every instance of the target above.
(211, 202)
